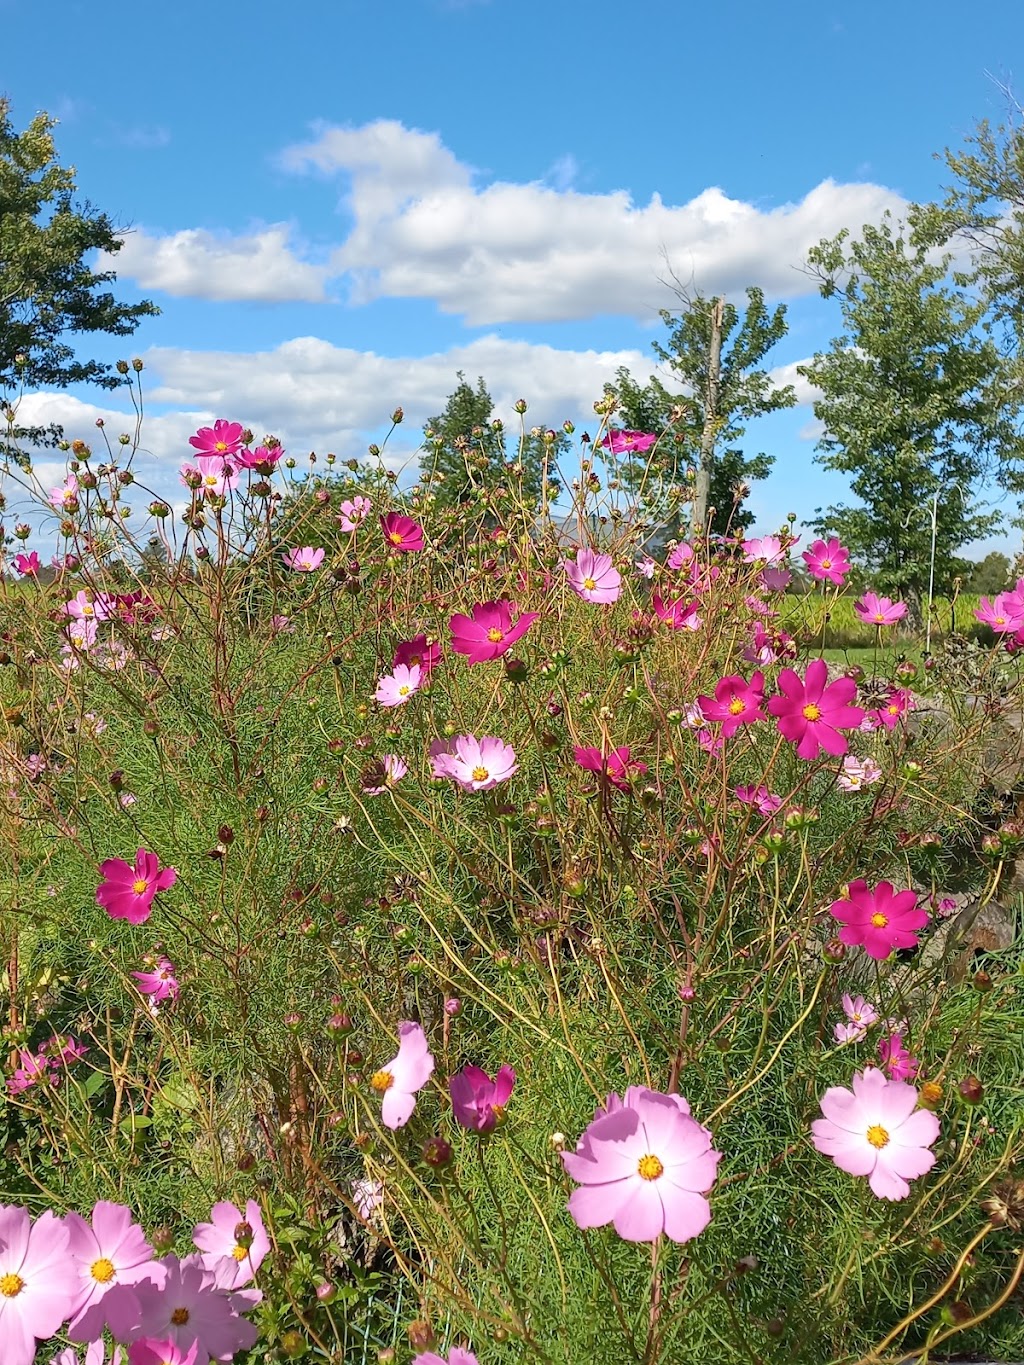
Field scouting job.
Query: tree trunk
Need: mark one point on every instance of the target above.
(709, 431)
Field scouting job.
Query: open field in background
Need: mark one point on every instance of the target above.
(834, 625)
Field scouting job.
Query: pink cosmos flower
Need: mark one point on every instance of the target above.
(879, 920)
(478, 1103)
(898, 1063)
(628, 442)
(476, 765)
(680, 557)
(1004, 613)
(160, 983)
(110, 1250)
(593, 577)
(645, 567)
(38, 1280)
(769, 548)
(81, 635)
(234, 1246)
(304, 560)
(385, 774)
(875, 1130)
(860, 1015)
(417, 653)
(775, 579)
(127, 892)
(223, 438)
(879, 611)
(766, 648)
(368, 1196)
(27, 564)
(399, 1080)
(282, 625)
(354, 512)
(458, 1355)
(857, 773)
(65, 499)
(403, 535)
(84, 606)
(149, 1351)
(735, 703)
(644, 1168)
(190, 1308)
(217, 476)
(677, 613)
(615, 767)
(394, 689)
(262, 459)
(488, 631)
(34, 1069)
(828, 561)
(810, 714)
(760, 797)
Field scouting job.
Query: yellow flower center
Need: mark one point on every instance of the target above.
(480, 774)
(812, 712)
(220, 446)
(878, 920)
(879, 618)
(403, 691)
(877, 1136)
(893, 710)
(87, 609)
(102, 1270)
(495, 635)
(826, 563)
(140, 886)
(239, 1253)
(1000, 621)
(395, 537)
(210, 480)
(736, 707)
(589, 584)
(649, 1167)
(853, 780)
(179, 1317)
(381, 1081)
(11, 1285)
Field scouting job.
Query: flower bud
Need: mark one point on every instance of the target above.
(437, 1153)
(971, 1090)
(243, 1235)
(293, 1344)
(834, 950)
(421, 1335)
(930, 1095)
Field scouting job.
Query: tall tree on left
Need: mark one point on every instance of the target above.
(48, 292)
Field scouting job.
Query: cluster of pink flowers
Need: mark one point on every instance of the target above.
(1005, 612)
(45, 1066)
(100, 1275)
(220, 453)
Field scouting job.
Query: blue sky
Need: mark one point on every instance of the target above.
(339, 204)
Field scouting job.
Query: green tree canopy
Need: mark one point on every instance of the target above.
(714, 386)
(907, 402)
(48, 292)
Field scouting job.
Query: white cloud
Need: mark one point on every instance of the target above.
(195, 263)
(806, 392)
(530, 252)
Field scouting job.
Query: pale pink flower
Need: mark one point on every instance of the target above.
(86, 606)
(282, 625)
(1005, 613)
(593, 577)
(458, 1355)
(386, 773)
(775, 579)
(65, 499)
(681, 556)
(305, 559)
(109, 1250)
(368, 1196)
(189, 1307)
(858, 773)
(876, 1131)
(860, 1015)
(645, 567)
(354, 512)
(760, 797)
(879, 611)
(217, 476)
(233, 1245)
(395, 689)
(475, 764)
(38, 1281)
(768, 548)
(399, 1080)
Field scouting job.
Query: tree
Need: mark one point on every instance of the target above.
(907, 406)
(990, 575)
(47, 291)
(714, 355)
(469, 450)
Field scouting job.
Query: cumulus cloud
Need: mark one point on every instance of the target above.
(421, 227)
(195, 263)
(806, 392)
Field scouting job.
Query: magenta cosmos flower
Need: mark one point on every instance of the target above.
(760, 797)
(488, 631)
(476, 765)
(478, 1102)
(677, 612)
(394, 689)
(160, 982)
(417, 653)
(38, 1281)
(233, 1245)
(223, 438)
(875, 1130)
(879, 611)
(127, 892)
(735, 703)
(614, 767)
(897, 1062)
(458, 1355)
(879, 920)
(810, 714)
(828, 561)
(305, 559)
(403, 535)
(27, 564)
(628, 442)
(149, 1351)
(110, 1250)
(1003, 613)
(593, 577)
(644, 1168)
(400, 1079)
